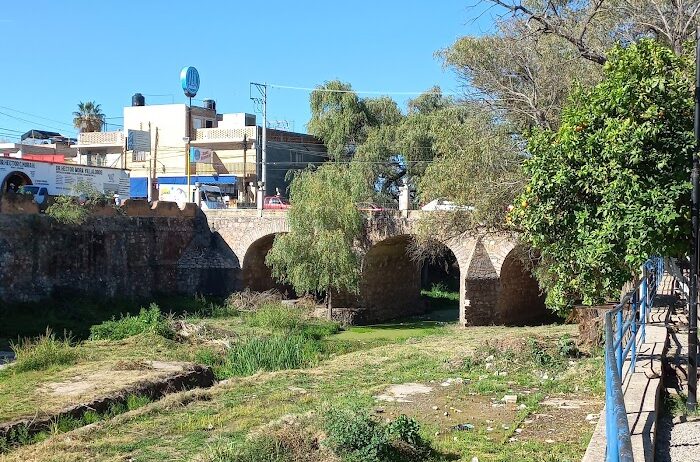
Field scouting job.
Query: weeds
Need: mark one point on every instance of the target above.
(43, 352)
(149, 320)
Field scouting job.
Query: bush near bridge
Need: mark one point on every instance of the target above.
(611, 186)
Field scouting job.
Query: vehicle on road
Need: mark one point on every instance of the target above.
(276, 203)
(444, 205)
(206, 196)
(40, 193)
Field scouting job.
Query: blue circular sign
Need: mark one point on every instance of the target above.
(189, 79)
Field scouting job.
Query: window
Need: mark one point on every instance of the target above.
(209, 124)
(138, 156)
(196, 123)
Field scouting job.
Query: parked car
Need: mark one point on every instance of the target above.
(369, 207)
(276, 203)
(40, 193)
(445, 205)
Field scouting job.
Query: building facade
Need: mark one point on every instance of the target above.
(155, 140)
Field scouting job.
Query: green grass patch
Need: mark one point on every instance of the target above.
(34, 354)
(21, 436)
(149, 320)
(392, 331)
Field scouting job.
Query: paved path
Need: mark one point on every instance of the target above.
(678, 438)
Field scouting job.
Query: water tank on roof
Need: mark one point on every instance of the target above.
(210, 104)
(138, 100)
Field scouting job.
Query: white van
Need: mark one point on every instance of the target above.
(207, 197)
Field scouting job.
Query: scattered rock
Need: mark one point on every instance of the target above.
(518, 430)
(527, 421)
(503, 373)
(475, 459)
(593, 417)
(489, 429)
(446, 414)
(434, 408)
(512, 439)
(549, 441)
(489, 358)
(463, 427)
(510, 399)
(299, 390)
(450, 381)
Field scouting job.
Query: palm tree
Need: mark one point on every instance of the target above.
(89, 117)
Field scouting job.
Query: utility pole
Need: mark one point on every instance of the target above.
(694, 246)
(150, 167)
(245, 154)
(261, 99)
(155, 166)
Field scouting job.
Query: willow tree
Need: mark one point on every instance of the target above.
(317, 253)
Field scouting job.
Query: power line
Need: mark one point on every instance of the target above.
(37, 116)
(366, 92)
(33, 122)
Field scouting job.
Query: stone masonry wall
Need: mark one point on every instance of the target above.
(117, 256)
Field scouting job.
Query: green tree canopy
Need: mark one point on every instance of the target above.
(611, 186)
(88, 117)
(317, 254)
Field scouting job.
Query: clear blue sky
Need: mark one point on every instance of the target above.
(57, 53)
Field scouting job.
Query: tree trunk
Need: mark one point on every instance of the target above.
(329, 305)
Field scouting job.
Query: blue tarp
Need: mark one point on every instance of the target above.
(138, 187)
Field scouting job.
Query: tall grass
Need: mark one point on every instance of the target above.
(277, 317)
(34, 354)
(272, 353)
(149, 320)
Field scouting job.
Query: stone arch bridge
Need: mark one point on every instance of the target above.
(495, 287)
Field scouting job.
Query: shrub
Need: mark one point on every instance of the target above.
(149, 320)
(406, 429)
(354, 435)
(67, 210)
(43, 352)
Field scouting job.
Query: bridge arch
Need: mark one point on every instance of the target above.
(390, 280)
(256, 275)
(520, 300)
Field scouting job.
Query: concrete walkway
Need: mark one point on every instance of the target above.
(678, 438)
(642, 387)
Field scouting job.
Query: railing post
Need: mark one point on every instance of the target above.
(634, 305)
(644, 295)
(620, 334)
(612, 451)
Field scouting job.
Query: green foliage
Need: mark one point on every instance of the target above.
(136, 401)
(273, 353)
(89, 117)
(406, 429)
(260, 449)
(149, 320)
(66, 210)
(33, 354)
(356, 437)
(478, 163)
(611, 186)
(278, 317)
(317, 254)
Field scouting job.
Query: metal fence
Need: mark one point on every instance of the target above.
(625, 327)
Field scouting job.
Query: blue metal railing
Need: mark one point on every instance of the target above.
(624, 326)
